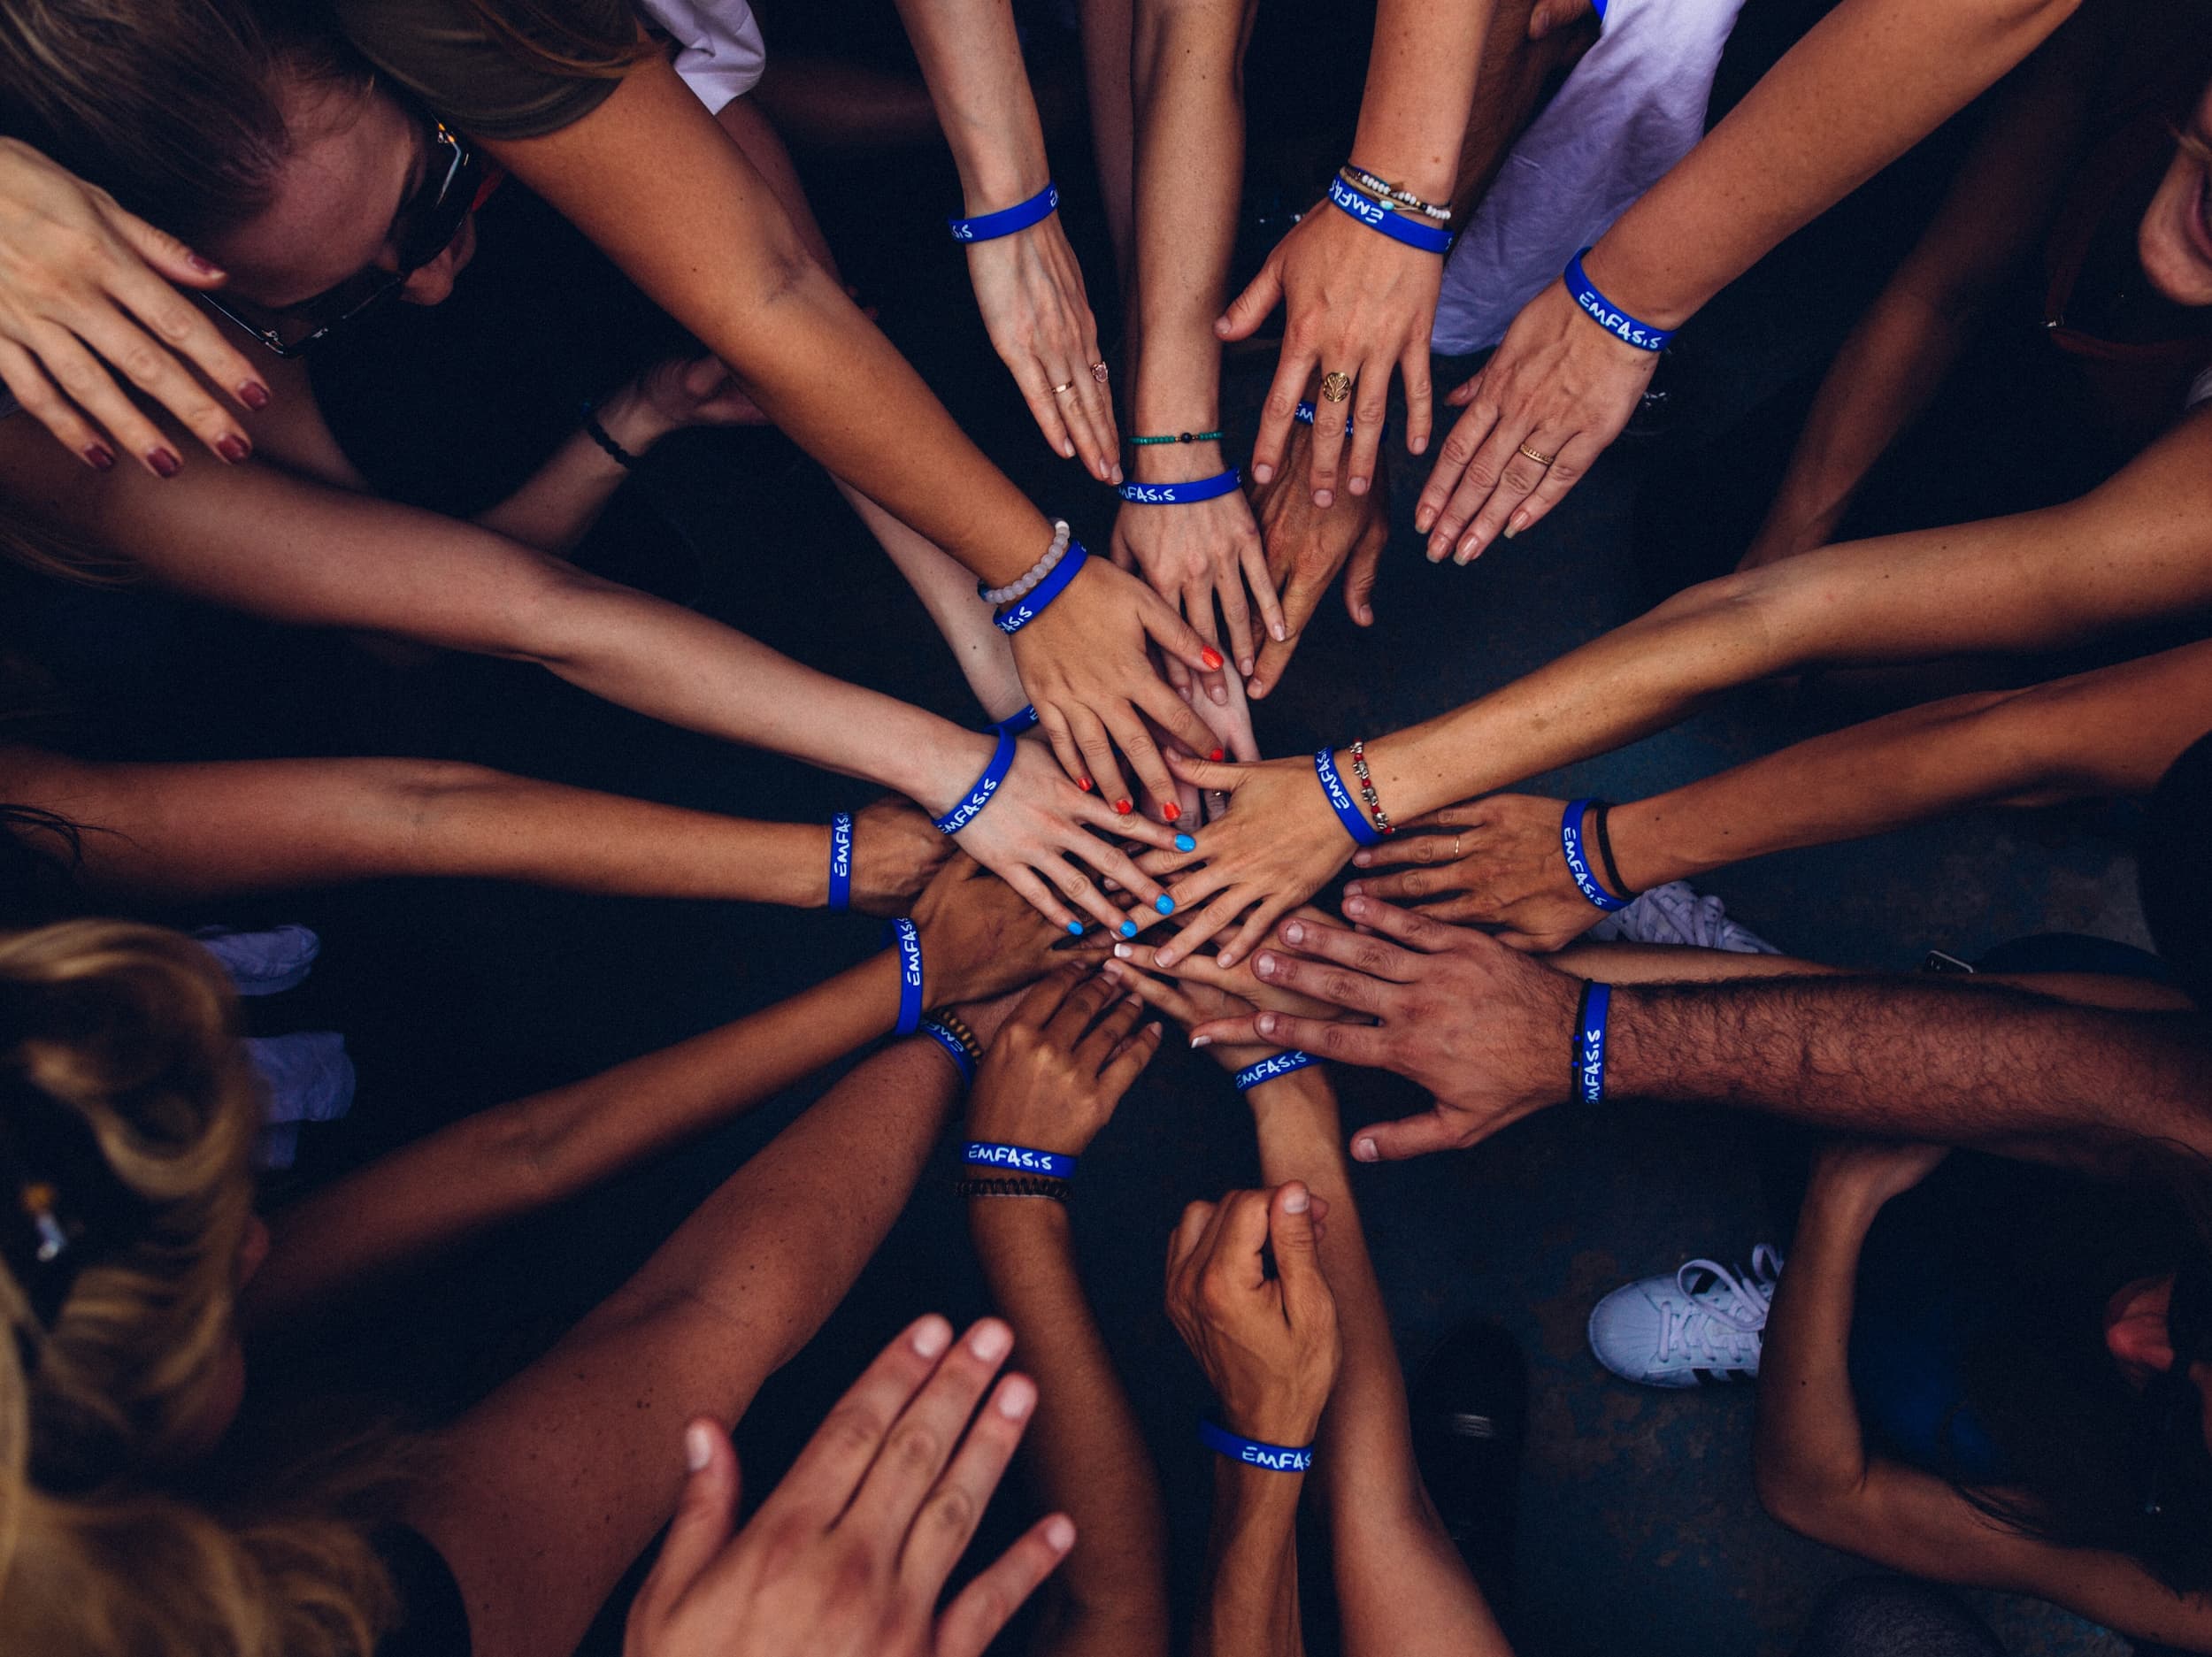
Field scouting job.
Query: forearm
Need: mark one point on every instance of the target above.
(562, 500)
(1809, 1447)
(971, 59)
(1420, 87)
(1086, 1450)
(1249, 1607)
(1866, 83)
(516, 1158)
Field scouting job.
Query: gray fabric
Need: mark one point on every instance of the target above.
(1895, 1616)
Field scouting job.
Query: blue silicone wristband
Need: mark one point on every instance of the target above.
(954, 1050)
(1017, 1159)
(1397, 226)
(1609, 316)
(1022, 612)
(1304, 415)
(840, 881)
(1180, 493)
(1007, 220)
(909, 938)
(1268, 1070)
(986, 786)
(1571, 846)
(1014, 724)
(1275, 1458)
(1340, 800)
(1597, 1000)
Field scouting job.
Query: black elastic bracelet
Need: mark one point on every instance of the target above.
(597, 432)
(1012, 1185)
(1605, 853)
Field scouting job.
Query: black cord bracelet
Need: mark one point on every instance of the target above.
(1012, 1185)
(597, 432)
(1621, 888)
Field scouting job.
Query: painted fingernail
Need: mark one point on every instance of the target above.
(991, 1341)
(1210, 657)
(1164, 904)
(930, 1336)
(1263, 474)
(1016, 1397)
(1363, 1150)
(1123, 806)
(1201, 1041)
(1084, 784)
(698, 1447)
(165, 462)
(1172, 811)
(1325, 498)
(1217, 754)
(1185, 843)
(1264, 964)
(1129, 929)
(1076, 928)
(1123, 952)
(1298, 1201)
(253, 393)
(232, 448)
(201, 265)
(99, 456)
(1293, 933)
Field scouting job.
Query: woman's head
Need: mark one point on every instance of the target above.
(2175, 238)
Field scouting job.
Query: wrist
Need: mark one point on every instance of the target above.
(632, 420)
(997, 170)
(1639, 833)
(943, 779)
(1016, 1225)
(1631, 286)
(1429, 170)
(1177, 463)
(1277, 1420)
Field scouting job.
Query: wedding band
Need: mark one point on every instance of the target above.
(1336, 385)
(1098, 372)
(1542, 460)
(1063, 389)
(1454, 849)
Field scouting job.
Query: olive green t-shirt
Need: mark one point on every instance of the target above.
(443, 52)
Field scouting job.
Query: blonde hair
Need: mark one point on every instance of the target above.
(124, 1035)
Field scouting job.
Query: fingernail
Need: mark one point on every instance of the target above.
(253, 393)
(698, 1448)
(1068, 452)
(1361, 860)
(201, 265)
(1185, 843)
(1357, 485)
(1436, 551)
(1164, 958)
(1256, 689)
(1084, 784)
(1059, 1533)
(1293, 933)
(1220, 694)
(1123, 806)
(1123, 952)
(1222, 958)
(1325, 498)
(1351, 889)
(1366, 617)
(1017, 1398)
(99, 456)
(1217, 754)
(1264, 965)
(1201, 1041)
(1210, 657)
(1172, 811)
(1164, 904)
(991, 1341)
(1263, 474)
(1422, 520)
(1512, 528)
(932, 1336)
(1363, 1150)
(1418, 445)
(165, 462)
(1114, 478)
(1267, 1022)
(1129, 929)
(1298, 1201)
(1244, 667)
(1076, 928)
(232, 448)
(1355, 905)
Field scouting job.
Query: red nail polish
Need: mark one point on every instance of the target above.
(99, 456)
(232, 448)
(1084, 784)
(1124, 807)
(1171, 811)
(1217, 754)
(165, 462)
(253, 393)
(1212, 658)
(201, 265)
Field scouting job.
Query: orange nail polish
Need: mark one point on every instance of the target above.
(1212, 658)
(1122, 806)
(1084, 784)
(1171, 811)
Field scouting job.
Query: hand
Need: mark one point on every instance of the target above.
(1268, 1345)
(1196, 556)
(85, 286)
(1276, 846)
(1358, 303)
(1036, 835)
(1494, 863)
(1485, 1030)
(1061, 1064)
(1029, 287)
(1199, 990)
(683, 391)
(1085, 664)
(1875, 1170)
(849, 1554)
(979, 937)
(896, 849)
(1307, 545)
(1558, 383)
(1231, 723)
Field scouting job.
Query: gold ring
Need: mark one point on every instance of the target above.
(1336, 385)
(1454, 849)
(1063, 389)
(1542, 460)
(1098, 372)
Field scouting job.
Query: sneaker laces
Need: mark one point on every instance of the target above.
(1721, 1323)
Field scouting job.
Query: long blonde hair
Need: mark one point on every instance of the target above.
(118, 1039)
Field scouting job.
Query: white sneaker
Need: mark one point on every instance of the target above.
(1701, 1323)
(1674, 914)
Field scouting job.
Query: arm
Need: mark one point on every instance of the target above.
(201, 831)
(1811, 1464)
(1251, 1608)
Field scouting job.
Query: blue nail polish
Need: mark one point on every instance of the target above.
(1164, 904)
(1076, 928)
(1129, 929)
(1185, 843)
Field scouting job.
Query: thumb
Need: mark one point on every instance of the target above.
(1290, 1228)
(1205, 774)
(702, 378)
(702, 1526)
(1412, 1136)
(168, 256)
(1249, 308)
(1359, 579)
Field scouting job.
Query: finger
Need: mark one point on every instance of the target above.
(1328, 440)
(1279, 409)
(1301, 599)
(1412, 1136)
(1044, 1000)
(186, 329)
(1178, 676)
(1116, 866)
(1207, 774)
(1199, 929)
(82, 379)
(1126, 1062)
(1375, 957)
(1183, 1241)
(1574, 464)
(1414, 883)
(1093, 424)
(1178, 719)
(1367, 1045)
(1338, 987)
(1440, 514)
(703, 1524)
(1097, 751)
(1411, 848)
(1290, 1230)
(1250, 307)
(1106, 1037)
(1370, 409)
(1507, 458)
(1408, 927)
(1359, 576)
(1177, 637)
(1073, 884)
(1086, 333)
(38, 397)
(822, 1481)
(1065, 748)
(948, 1516)
(1239, 1234)
(972, 1620)
(1236, 615)
(1163, 995)
(1082, 1004)
(1195, 605)
(1143, 754)
(152, 366)
(1253, 934)
(1042, 897)
(922, 1442)
(1413, 368)
(1261, 579)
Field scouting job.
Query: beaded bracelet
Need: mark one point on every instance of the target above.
(841, 869)
(1352, 173)
(598, 434)
(1179, 437)
(1609, 316)
(1022, 612)
(956, 1027)
(1007, 220)
(1180, 493)
(1367, 787)
(1579, 862)
(1356, 824)
(1397, 226)
(1055, 1189)
(1589, 1053)
(1021, 587)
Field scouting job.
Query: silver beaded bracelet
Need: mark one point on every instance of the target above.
(997, 596)
(1391, 195)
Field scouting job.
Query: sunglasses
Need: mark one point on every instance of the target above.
(424, 228)
(2175, 1410)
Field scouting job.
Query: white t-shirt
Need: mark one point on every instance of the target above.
(719, 53)
(1627, 113)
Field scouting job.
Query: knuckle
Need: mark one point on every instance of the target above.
(849, 1430)
(950, 1512)
(1339, 985)
(914, 1449)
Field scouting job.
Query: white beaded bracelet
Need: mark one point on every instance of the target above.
(997, 596)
